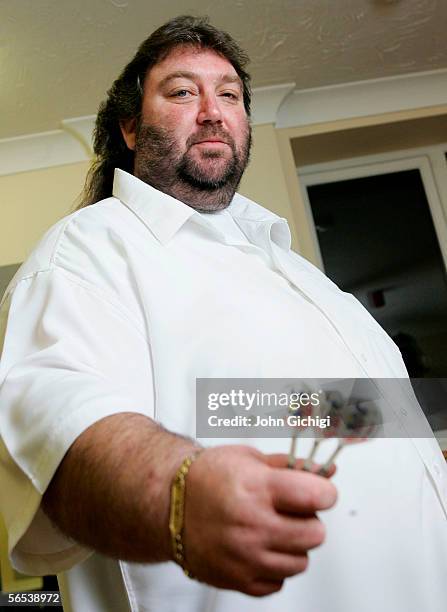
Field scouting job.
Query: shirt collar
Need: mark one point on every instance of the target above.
(254, 220)
(164, 215)
(161, 213)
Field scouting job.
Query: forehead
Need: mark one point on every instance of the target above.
(205, 63)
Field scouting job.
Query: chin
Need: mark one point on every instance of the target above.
(213, 172)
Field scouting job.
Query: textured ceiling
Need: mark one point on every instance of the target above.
(58, 57)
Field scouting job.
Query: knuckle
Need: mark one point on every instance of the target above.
(262, 564)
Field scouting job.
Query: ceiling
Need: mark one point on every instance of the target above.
(58, 57)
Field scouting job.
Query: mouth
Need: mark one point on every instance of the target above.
(211, 141)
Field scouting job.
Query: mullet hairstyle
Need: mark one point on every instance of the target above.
(124, 98)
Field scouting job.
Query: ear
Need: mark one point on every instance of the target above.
(128, 130)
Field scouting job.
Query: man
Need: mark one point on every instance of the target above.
(168, 277)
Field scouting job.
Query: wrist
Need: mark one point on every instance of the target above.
(177, 510)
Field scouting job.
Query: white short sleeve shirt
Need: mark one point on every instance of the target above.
(126, 297)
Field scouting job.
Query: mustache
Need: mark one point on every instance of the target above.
(210, 132)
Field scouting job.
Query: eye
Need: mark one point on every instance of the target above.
(181, 93)
(231, 96)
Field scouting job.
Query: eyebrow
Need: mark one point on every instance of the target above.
(193, 76)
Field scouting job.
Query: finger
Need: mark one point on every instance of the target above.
(277, 566)
(296, 492)
(325, 470)
(277, 460)
(280, 460)
(260, 588)
(295, 536)
(317, 468)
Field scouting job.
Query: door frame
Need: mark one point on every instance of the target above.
(431, 163)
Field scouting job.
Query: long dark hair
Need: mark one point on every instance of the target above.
(124, 98)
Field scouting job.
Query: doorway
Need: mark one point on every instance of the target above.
(380, 234)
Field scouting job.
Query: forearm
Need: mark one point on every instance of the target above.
(111, 491)
(248, 520)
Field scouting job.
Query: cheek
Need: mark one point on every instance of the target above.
(174, 118)
(179, 113)
(241, 131)
(179, 124)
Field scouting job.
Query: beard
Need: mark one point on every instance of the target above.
(206, 179)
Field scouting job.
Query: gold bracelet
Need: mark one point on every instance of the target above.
(177, 510)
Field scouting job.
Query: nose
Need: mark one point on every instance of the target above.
(209, 111)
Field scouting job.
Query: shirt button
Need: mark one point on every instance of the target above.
(404, 412)
(437, 469)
